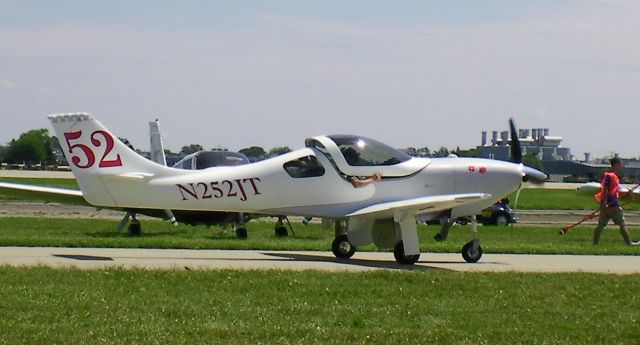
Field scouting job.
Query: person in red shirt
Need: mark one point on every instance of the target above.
(609, 203)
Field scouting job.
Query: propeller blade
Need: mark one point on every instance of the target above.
(534, 176)
(516, 149)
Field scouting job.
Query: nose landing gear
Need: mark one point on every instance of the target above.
(472, 251)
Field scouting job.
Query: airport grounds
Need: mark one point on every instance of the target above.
(393, 304)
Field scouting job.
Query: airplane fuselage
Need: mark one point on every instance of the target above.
(266, 188)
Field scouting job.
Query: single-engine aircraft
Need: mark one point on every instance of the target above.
(311, 182)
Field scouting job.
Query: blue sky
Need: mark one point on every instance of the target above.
(271, 73)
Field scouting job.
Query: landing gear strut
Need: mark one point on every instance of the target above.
(471, 251)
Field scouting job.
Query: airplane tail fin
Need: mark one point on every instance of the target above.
(156, 147)
(100, 162)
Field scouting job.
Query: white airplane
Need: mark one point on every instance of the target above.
(314, 181)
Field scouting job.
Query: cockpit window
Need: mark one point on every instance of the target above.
(307, 166)
(208, 159)
(361, 151)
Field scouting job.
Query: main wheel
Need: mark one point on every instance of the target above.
(502, 219)
(342, 248)
(281, 231)
(401, 258)
(469, 254)
(241, 233)
(135, 229)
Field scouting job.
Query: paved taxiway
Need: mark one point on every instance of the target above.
(96, 258)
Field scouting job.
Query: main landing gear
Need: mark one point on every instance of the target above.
(401, 257)
(341, 247)
(134, 228)
(280, 229)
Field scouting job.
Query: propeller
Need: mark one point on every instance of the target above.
(528, 174)
(516, 149)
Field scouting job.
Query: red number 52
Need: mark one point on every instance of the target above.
(88, 152)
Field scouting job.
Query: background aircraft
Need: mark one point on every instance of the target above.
(314, 181)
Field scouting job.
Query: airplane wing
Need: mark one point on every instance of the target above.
(594, 187)
(32, 192)
(421, 205)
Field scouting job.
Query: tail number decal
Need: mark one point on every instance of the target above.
(219, 189)
(88, 152)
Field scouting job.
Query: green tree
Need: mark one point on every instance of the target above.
(468, 153)
(32, 146)
(254, 153)
(442, 152)
(3, 153)
(279, 150)
(193, 148)
(533, 161)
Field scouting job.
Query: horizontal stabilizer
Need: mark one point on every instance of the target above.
(31, 192)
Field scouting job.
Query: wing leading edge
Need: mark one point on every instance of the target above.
(420, 205)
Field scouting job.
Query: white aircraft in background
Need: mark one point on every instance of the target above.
(311, 182)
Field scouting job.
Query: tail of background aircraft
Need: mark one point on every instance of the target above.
(156, 148)
(98, 159)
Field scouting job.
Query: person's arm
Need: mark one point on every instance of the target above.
(358, 183)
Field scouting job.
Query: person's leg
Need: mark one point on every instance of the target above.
(603, 219)
(617, 216)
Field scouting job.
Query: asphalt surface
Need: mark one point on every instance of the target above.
(99, 258)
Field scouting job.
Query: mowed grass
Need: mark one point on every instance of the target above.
(157, 234)
(56, 306)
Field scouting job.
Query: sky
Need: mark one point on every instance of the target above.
(235, 74)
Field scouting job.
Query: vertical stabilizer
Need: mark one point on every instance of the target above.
(156, 147)
(100, 162)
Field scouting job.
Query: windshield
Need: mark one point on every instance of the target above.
(361, 151)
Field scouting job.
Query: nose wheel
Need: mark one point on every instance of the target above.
(472, 251)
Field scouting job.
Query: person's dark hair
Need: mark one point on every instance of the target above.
(614, 161)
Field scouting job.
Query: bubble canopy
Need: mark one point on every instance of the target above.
(355, 155)
(362, 151)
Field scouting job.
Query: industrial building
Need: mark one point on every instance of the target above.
(536, 141)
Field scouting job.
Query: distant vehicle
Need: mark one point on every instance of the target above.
(497, 214)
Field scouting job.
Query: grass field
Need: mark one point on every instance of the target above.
(157, 234)
(46, 306)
